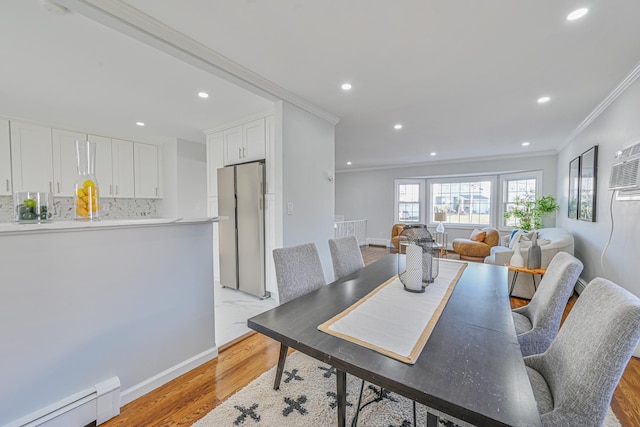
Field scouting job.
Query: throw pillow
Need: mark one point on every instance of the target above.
(478, 235)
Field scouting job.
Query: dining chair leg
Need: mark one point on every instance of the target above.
(283, 355)
(354, 423)
(415, 422)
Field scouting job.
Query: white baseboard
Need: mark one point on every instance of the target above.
(379, 242)
(140, 389)
(580, 285)
(98, 403)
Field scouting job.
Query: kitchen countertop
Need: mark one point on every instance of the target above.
(79, 225)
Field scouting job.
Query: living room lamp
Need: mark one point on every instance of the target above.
(440, 216)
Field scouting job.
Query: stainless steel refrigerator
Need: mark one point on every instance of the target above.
(241, 238)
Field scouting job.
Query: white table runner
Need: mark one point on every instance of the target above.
(393, 321)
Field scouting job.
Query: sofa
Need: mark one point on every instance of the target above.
(478, 245)
(551, 241)
(395, 235)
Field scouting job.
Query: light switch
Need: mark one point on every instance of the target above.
(289, 208)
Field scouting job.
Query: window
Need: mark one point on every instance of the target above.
(465, 201)
(409, 201)
(514, 186)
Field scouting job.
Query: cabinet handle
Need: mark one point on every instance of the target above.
(50, 187)
(244, 151)
(58, 188)
(116, 189)
(239, 152)
(156, 191)
(7, 185)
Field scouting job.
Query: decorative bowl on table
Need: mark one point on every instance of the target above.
(33, 207)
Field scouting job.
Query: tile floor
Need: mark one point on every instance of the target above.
(232, 309)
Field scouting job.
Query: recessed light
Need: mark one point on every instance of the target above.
(203, 95)
(526, 144)
(346, 86)
(348, 163)
(397, 126)
(433, 154)
(140, 124)
(577, 14)
(543, 99)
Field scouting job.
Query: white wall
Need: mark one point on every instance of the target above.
(370, 194)
(615, 128)
(184, 180)
(79, 307)
(308, 158)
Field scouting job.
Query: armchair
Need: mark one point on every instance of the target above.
(478, 245)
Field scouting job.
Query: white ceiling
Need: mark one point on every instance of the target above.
(461, 76)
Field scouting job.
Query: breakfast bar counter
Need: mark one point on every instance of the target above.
(99, 312)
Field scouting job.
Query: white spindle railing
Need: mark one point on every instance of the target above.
(356, 227)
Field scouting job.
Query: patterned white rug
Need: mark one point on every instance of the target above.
(307, 398)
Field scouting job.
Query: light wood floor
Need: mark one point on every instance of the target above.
(188, 398)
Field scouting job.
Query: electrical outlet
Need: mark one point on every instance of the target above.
(289, 208)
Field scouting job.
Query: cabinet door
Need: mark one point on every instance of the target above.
(147, 183)
(233, 145)
(5, 159)
(31, 157)
(254, 141)
(122, 157)
(104, 165)
(65, 163)
(270, 155)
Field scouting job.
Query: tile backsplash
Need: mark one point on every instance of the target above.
(115, 208)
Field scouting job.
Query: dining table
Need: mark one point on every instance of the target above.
(470, 369)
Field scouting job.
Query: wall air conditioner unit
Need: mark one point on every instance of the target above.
(625, 170)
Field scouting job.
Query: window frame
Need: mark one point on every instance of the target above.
(516, 176)
(457, 179)
(421, 199)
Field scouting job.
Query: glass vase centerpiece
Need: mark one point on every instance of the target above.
(421, 258)
(87, 200)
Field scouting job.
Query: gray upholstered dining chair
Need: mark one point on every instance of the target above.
(345, 256)
(574, 380)
(537, 323)
(298, 272)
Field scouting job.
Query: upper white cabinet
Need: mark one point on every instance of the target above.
(5, 159)
(31, 157)
(147, 177)
(104, 165)
(65, 163)
(122, 157)
(245, 143)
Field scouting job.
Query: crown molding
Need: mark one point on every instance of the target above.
(126, 19)
(451, 161)
(619, 90)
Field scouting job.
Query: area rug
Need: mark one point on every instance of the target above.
(307, 397)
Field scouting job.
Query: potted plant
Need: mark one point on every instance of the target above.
(528, 211)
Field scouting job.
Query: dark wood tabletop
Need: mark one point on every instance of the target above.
(470, 368)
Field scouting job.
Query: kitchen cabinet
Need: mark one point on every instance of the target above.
(244, 143)
(270, 154)
(31, 157)
(147, 178)
(5, 159)
(104, 165)
(65, 163)
(123, 177)
(214, 161)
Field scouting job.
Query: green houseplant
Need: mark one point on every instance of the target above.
(528, 211)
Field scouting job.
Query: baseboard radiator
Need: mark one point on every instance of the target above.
(580, 285)
(95, 404)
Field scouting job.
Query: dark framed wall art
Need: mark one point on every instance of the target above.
(574, 187)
